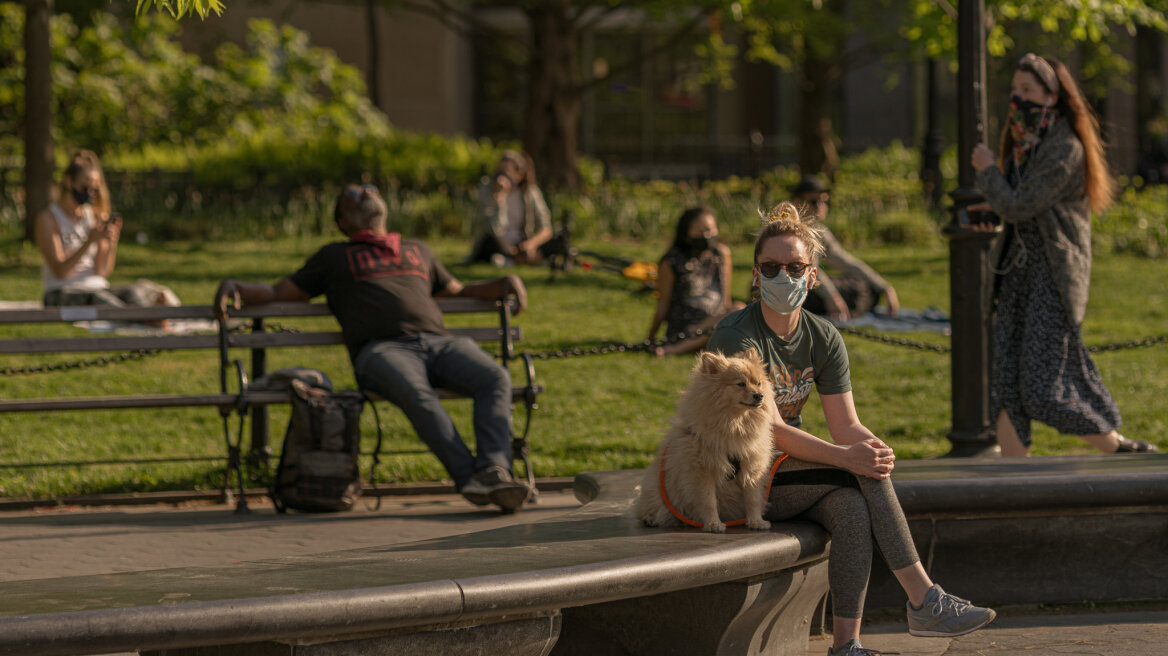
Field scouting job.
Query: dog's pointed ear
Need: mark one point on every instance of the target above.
(710, 362)
(752, 355)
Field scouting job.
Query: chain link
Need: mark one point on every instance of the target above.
(895, 341)
(580, 351)
(617, 347)
(128, 356)
(1135, 343)
(650, 345)
(922, 346)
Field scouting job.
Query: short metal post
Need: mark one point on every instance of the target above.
(260, 449)
(507, 347)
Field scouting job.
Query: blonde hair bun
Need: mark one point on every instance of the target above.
(784, 211)
(784, 219)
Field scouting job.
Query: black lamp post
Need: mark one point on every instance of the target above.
(969, 279)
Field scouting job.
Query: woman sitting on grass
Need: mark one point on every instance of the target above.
(843, 486)
(78, 239)
(693, 284)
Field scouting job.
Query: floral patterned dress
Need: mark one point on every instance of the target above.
(697, 289)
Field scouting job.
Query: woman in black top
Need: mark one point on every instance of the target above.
(693, 284)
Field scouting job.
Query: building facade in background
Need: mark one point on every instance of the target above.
(657, 120)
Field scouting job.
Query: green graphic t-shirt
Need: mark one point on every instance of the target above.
(814, 354)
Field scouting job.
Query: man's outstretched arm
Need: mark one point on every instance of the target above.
(235, 294)
(498, 288)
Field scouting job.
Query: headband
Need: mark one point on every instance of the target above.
(515, 157)
(1042, 70)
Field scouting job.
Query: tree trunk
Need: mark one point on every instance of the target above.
(374, 63)
(38, 112)
(551, 121)
(817, 149)
(931, 177)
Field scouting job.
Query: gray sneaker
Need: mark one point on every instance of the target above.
(1135, 446)
(853, 648)
(495, 485)
(945, 616)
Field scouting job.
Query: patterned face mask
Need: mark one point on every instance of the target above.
(1029, 123)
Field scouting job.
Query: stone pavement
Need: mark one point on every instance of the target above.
(75, 541)
(1030, 632)
(78, 541)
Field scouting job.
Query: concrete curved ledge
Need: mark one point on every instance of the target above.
(953, 485)
(1064, 529)
(588, 556)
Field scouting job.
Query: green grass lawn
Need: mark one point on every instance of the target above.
(599, 412)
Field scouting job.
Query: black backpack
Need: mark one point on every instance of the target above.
(318, 469)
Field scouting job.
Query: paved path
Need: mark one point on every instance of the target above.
(75, 541)
(1142, 632)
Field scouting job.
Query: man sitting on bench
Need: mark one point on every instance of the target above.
(381, 289)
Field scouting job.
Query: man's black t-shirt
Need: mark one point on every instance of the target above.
(377, 293)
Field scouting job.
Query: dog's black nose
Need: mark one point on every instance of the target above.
(758, 397)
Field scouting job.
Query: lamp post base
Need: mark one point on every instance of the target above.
(973, 445)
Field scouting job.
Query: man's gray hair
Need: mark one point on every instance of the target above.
(361, 207)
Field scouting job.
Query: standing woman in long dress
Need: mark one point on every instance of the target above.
(1050, 174)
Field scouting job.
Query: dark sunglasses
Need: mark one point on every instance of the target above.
(772, 269)
(357, 193)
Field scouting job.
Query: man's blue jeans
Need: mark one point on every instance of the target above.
(406, 372)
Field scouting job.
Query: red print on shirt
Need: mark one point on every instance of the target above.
(367, 262)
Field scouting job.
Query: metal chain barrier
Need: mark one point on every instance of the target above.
(922, 346)
(1135, 343)
(579, 351)
(128, 356)
(649, 345)
(895, 341)
(618, 347)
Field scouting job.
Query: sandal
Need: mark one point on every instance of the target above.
(1135, 446)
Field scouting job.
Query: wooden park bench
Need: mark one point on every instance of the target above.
(589, 581)
(233, 394)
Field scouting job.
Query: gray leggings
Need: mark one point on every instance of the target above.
(853, 509)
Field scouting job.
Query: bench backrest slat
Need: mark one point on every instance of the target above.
(69, 314)
(115, 402)
(31, 345)
(114, 343)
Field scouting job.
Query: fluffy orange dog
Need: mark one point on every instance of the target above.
(718, 452)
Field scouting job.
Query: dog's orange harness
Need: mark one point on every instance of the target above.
(686, 520)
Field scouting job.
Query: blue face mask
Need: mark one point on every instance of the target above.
(782, 293)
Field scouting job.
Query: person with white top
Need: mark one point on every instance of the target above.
(78, 239)
(515, 225)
